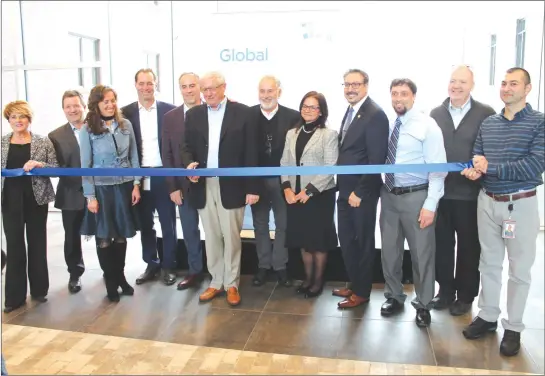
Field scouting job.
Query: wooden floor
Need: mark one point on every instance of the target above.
(161, 330)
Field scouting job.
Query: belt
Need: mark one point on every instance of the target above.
(414, 188)
(510, 197)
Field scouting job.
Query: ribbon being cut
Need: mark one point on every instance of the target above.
(241, 171)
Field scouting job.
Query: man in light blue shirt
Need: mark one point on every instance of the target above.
(409, 202)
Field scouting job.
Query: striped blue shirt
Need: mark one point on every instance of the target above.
(514, 149)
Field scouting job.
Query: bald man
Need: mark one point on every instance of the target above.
(459, 117)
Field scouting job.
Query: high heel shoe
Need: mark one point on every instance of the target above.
(302, 289)
(313, 294)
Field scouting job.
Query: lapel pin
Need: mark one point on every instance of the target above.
(359, 116)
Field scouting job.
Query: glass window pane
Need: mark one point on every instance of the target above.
(88, 49)
(12, 45)
(9, 94)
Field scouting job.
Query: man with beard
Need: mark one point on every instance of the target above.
(409, 202)
(273, 121)
(69, 196)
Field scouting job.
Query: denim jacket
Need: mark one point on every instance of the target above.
(99, 151)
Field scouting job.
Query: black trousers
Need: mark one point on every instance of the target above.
(457, 217)
(357, 238)
(71, 221)
(34, 218)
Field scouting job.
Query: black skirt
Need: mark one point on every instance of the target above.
(312, 225)
(116, 217)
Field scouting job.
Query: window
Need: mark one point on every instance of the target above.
(492, 59)
(88, 50)
(521, 38)
(152, 62)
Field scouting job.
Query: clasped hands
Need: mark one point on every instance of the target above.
(480, 166)
(292, 198)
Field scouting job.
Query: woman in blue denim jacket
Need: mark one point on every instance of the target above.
(107, 141)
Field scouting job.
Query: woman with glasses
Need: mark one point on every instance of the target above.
(311, 198)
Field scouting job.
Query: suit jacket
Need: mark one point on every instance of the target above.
(321, 150)
(69, 194)
(238, 148)
(41, 150)
(172, 140)
(365, 143)
(287, 119)
(132, 113)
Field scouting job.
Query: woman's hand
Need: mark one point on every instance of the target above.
(32, 164)
(92, 205)
(136, 195)
(290, 196)
(302, 196)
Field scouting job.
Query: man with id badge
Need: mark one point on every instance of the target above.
(509, 160)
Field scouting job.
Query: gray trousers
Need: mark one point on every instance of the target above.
(521, 253)
(399, 221)
(275, 256)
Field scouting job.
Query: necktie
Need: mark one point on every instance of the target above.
(347, 122)
(391, 158)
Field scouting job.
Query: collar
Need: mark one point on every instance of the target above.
(153, 106)
(220, 105)
(407, 115)
(271, 114)
(73, 127)
(358, 105)
(464, 106)
(527, 110)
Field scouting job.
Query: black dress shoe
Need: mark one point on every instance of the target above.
(260, 277)
(12, 308)
(74, 285)
(423, 318)
(149, 275)
(312, 294)
(390, 306)
(459, 308)
(169, 277)
(283, 279)
(479, 328)
(39, 299)
(442, 301)
(510, 344)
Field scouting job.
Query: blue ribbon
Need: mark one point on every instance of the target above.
(241, 171)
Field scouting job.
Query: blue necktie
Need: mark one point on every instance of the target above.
(391, 158)
(347, 122)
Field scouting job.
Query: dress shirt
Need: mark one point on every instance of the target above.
(458, 113)
(420, 141)
(215, 120)
(151, 155)
(76, 132)
(270, 115)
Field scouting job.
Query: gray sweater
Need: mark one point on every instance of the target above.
(459, 146)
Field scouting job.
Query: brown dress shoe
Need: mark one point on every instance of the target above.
(352, 301)
(189, 281)
(233, 297)
(343, 293)
(210, 294)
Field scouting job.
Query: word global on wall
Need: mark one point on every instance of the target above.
(230, 55)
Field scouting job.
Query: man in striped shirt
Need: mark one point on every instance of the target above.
(509, 161)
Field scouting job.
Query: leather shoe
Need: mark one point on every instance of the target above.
(390, 306)
(459, 308)
(149, 275)
(9, 309)
(210, 294)
(442, 301)
(423, 318)
(479, 328)
(189, 281)
(169, 277)
(40, 299)
(342, 293)
(352, 301)
(74, 285)
(260, 277)
(283, 278)
(233, 297)
(510, 344)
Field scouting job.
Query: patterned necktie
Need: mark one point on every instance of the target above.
(347, 122)
(391, 158)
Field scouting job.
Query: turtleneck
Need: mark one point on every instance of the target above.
(309, 127)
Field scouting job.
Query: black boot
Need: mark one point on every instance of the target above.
(107, 263)
(120, 254)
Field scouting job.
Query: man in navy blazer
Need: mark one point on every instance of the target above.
(146, 116)
(363, 141)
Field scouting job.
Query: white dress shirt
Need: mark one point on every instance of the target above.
(270, 115)
(151, 155)
(215, 120)
(458, 113)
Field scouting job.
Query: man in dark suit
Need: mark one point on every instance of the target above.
(363, 141)
(69, 196)
(146, 116)
(220, 134)
(273, 121)
(173, 135)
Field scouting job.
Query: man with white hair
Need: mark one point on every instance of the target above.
(273, 122)
(220, 134)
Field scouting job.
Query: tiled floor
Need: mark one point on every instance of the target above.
(270, 320)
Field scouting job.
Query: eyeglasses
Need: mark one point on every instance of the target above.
(212, 89)
(355, 85)
(310, 108)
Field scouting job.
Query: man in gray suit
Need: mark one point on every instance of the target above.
(69, 196)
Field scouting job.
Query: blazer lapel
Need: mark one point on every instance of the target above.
(134, 118)
(71, 137)
(228, 118)
(203, 129)
(5, 148)
(33, 146)
(316, 136)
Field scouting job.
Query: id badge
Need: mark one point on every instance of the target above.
(147, 183)
(508, 229)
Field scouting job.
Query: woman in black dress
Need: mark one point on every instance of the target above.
(311, 198)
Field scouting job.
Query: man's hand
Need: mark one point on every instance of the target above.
(192, 166)
(251, 199)
(92, 206)
(177, 197)
(354, 200)
(302, 196)
(426, 218)
(471, 173)
(136, 195)
(289, 194)
(480, 163)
